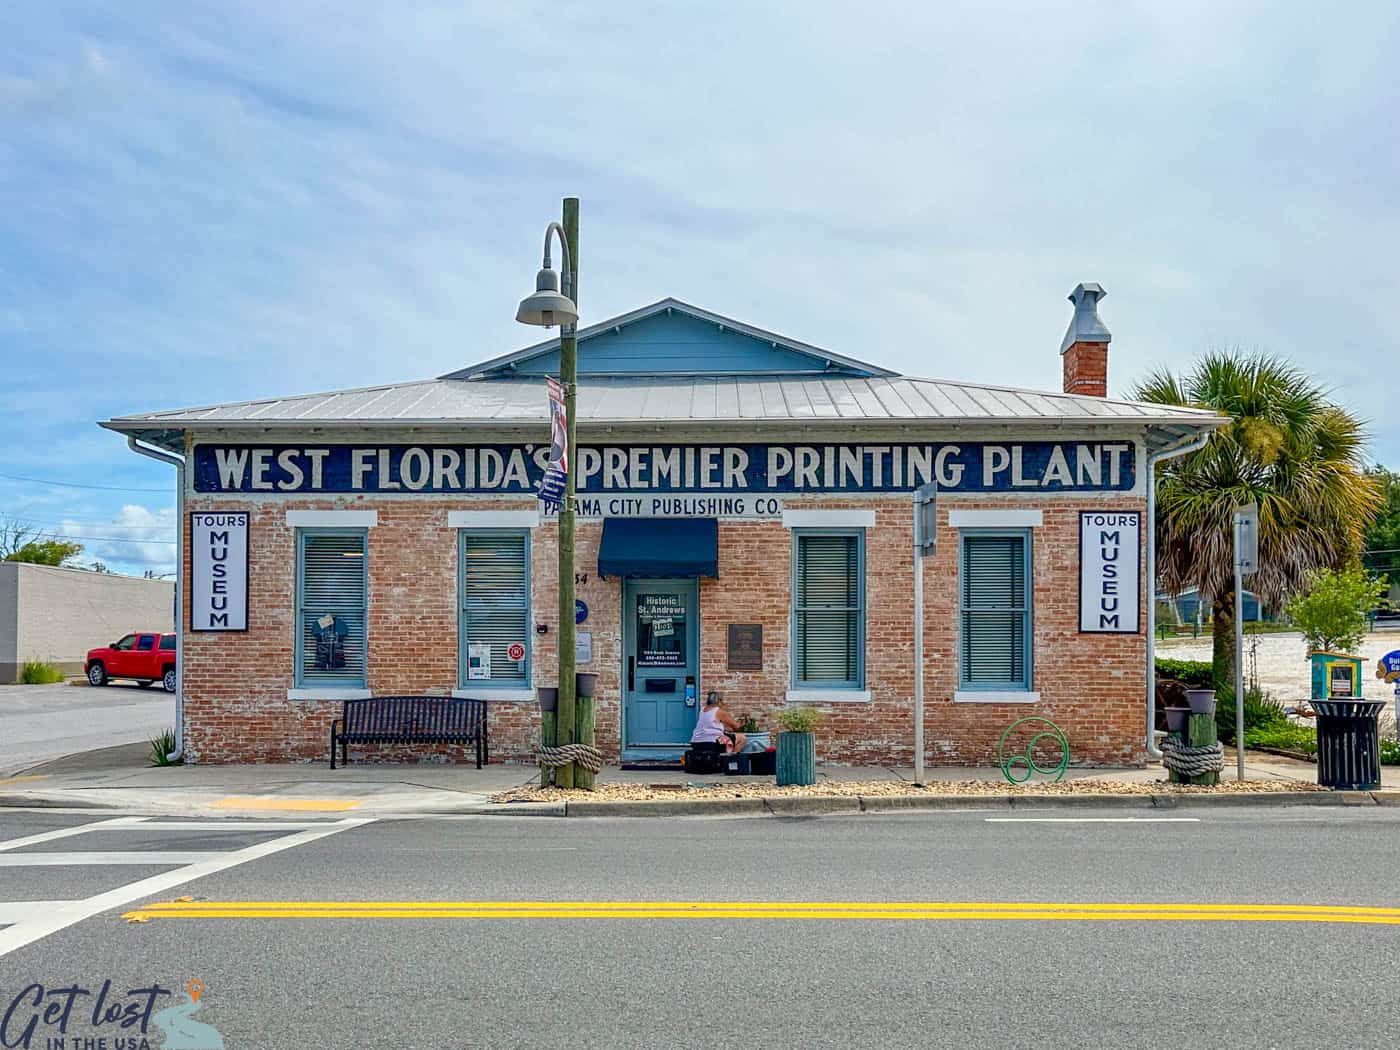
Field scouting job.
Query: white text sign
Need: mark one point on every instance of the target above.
(1109, 546)
(219, 571)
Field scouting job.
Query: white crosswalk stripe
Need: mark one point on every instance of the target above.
(25, 922)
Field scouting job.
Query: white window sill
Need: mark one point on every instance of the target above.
(828, 696)
(995, 696)
(328, 692)
(494, 694)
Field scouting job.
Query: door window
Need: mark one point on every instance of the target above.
(125, 644)
(146, 643)
(661, 630)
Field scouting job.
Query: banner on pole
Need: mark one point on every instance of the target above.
(556, 470)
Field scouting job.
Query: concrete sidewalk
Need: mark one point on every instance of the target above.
(118, 778)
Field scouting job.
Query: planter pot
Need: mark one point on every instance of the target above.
(585, 682)
(548, 697)
(1201, 701)
(1176, 718)
(797, 759)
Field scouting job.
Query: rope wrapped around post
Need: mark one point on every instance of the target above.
(585, 755)
(1192, 761)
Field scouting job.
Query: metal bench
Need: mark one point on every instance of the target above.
(411, 720)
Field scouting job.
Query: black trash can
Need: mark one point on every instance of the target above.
(1348, 744)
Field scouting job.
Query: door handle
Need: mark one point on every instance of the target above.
(631, 673)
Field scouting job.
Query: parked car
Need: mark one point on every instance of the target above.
(145, 656)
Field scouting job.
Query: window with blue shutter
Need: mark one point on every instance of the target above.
(332, 592)
(828, 610)
(494, 608)
(995, 611)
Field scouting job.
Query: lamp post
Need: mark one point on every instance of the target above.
(552, 305)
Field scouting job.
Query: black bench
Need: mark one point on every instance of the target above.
(411, 720)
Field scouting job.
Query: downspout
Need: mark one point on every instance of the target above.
(1153, 459)
(179, 463)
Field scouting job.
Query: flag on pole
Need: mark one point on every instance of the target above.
(557, 469)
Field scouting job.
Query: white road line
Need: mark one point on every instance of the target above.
(12, 912)
(63, 833)
(76, 911)
(107, 858)
(1092, 820)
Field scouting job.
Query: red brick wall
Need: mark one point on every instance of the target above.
(236, 706)
(1086, 369)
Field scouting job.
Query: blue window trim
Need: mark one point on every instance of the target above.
(297, 625)
(1025, 684)
(488, 684)
(835, 687)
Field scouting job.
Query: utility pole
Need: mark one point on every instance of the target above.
(1246, 564)
(567, 730)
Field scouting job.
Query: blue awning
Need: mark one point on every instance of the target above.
(659, 547)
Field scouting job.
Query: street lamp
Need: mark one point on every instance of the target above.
(550, 306)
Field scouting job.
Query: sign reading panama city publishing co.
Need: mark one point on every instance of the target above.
(219, 571)
(1109, 546)
(671, 480)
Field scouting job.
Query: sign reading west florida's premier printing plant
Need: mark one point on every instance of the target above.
(1109, 545)
(219, 571)
(661, 470)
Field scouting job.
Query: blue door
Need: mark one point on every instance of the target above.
(661, 636)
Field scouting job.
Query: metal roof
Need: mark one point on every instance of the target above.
(693, 400)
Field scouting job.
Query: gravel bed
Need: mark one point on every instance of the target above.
(871, 788)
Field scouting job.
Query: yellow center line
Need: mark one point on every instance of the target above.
(29, 776)
(804, 910)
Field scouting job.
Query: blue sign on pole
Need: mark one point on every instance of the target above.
(1389, 666)
(580, 610)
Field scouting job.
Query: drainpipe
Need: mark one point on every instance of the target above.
(1153, 459)
(179, 464)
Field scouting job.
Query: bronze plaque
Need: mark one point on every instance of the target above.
(746, 647)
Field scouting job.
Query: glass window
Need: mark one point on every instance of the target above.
(167, 642)
(661, 630)
(125, 644)
(332, 592)
(146, 643)
(495, 609)
(828, 612)
(994, 650)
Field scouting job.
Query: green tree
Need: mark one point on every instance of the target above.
(1332, 612)
(1287, 448)
(46, 552)
(1382, 539)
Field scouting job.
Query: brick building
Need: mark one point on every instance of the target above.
(745, 527)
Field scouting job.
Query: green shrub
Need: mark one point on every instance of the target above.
(1332, 614)
(1194, 674)
(1261, 711)
(1288, 736)
(1390, 753)
(161, 747)
(798, 719)
(36, 672)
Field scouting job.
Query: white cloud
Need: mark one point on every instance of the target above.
(134, 540)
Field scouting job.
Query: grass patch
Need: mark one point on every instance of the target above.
(1287, 736)
(161, 746)
(36, 672)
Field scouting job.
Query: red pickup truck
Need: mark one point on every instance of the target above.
(146, 656)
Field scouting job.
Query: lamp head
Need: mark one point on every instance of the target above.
(547, 307)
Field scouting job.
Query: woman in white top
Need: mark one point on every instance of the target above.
(712, 724)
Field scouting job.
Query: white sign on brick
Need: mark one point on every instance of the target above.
(219, 571)
(1109, 576)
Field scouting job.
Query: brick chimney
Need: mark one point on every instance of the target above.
(1085, 346)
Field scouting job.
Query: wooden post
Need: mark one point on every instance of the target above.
(1200, 732)
(546, 740)
(565, 726)
(583, 715)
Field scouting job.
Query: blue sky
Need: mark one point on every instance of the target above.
(204, 202)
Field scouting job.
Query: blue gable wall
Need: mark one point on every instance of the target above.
(675, 342)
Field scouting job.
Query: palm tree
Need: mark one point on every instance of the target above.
(1291, 451)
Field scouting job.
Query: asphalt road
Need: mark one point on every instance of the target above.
(43, 722)
(620, 981)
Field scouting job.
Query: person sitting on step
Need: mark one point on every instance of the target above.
(716, 726)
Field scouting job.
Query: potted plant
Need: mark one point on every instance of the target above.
(797, 745)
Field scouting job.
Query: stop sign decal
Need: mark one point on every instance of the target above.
(516, 652)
